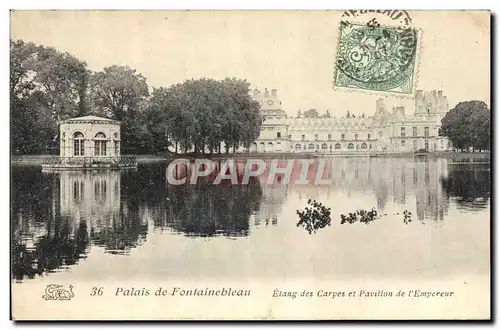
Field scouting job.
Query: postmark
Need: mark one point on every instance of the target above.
(378, 17)
(376, 58)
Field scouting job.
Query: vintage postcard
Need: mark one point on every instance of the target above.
(250, 165)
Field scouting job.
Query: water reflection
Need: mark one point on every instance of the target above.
(405, 180)
(95, 196)
(57, 218)
(469, 185)
(42, 240)
(204, 209)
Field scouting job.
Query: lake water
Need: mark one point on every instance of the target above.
(118, 225)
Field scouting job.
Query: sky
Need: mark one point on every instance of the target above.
(292, 51)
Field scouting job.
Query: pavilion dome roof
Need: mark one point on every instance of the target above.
(90, 119)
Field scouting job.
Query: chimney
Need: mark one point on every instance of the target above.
(446, 107)
(380, 105)
(419, 97)
(266, 92)
(419, 101)
(274, 92)
(440, 100)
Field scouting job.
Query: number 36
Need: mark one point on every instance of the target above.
(96, 291)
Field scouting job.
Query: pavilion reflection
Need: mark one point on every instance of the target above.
(96, 197)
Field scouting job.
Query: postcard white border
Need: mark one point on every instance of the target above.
(187, 4)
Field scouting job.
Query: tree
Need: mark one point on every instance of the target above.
(244, 113)
(203, 113)
(45, 86)
(348, 114)
(120, 92)
(117, 90)
(467, 125)
(63, 78)
(299, 114)
(327, 114)
(311, 113)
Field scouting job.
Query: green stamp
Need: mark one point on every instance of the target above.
(376, 58)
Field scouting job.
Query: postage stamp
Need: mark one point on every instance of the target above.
(376, 58)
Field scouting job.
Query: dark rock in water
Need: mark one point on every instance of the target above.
(407, 217)
(314, 217)
(363, 216)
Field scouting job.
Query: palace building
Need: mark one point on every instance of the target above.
(387, 131)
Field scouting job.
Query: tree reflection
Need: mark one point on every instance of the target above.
(55, 217)
(206, 209)
(58, 249)
(469, 184)
(123, 233)
(42, 240)
(209, 210)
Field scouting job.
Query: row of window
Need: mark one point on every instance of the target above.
(415, 131)
(79, 135)
(356, 136)
(99, 148)
(337, 146)
(342, 137)
(99, 145)
(426, 143)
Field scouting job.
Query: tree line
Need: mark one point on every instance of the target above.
(47, 86)
(200, 115)
(468, 126)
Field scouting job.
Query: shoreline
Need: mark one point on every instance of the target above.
(145, 159)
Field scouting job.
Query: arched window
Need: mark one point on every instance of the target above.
(100, 143)
(350, 146)
(78, 143)
(270, 144)
(311, 146)
(324, 146)
(262, 144)
(297, 146)
(364, 146)
(337, 145)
